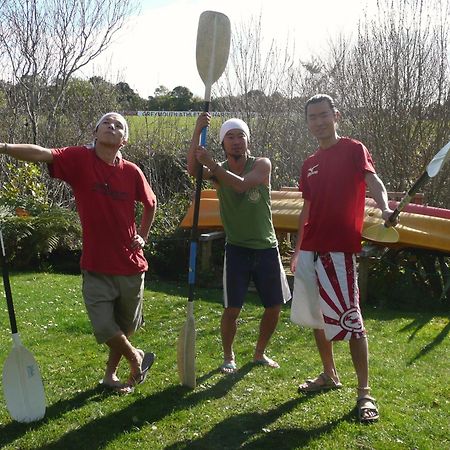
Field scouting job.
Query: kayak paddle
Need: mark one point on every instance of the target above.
(22, 383)
(213, 46)
(385, 232)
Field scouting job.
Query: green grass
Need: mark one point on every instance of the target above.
(257, 408)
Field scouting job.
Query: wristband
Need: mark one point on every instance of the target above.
(4, 150)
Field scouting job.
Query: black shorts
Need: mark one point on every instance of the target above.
(264, 266)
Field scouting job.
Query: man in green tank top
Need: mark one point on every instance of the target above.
(251, 250)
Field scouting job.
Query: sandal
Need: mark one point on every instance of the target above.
(367, 409)
(228, 367)
(322, 383)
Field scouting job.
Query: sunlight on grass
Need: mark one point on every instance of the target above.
(255, 408)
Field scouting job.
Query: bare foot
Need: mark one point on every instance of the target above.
(111, 380)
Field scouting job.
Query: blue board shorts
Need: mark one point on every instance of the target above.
(264, 267)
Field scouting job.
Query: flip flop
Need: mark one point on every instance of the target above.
(267, 362)
(122, 389)
(322, 383)
(228, 367)
(147, 362)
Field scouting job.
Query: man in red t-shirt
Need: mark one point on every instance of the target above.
(326, 297)
(113, 265)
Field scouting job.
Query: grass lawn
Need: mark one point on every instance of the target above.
(257, 408)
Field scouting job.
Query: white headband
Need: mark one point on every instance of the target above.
(120, 117)
(233, 124)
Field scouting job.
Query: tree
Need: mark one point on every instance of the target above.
(160, 100)
(161, 91)
(258, 87)
(128, 99)
(42, 44)
(181, 98)
(393, 84)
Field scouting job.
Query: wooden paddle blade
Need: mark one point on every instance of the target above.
(186, 350)
(381, 233)
(213, 46)
(22, 385)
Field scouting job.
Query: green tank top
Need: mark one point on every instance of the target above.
(247, 216)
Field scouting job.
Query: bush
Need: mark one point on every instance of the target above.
(411, 279)
(168, 247)
(30, 240)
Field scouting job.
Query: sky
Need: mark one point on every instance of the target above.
(157, 46)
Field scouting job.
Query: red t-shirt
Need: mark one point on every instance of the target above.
(333, 181)
(105, 196)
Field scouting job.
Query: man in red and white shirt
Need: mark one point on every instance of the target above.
(326, 297)
(113, 265)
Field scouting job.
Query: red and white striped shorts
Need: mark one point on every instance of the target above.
(326, 294)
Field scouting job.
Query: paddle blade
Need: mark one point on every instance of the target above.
(381, 233)
(213, 47)
(439, 160)
(22, 385)
(186, 350)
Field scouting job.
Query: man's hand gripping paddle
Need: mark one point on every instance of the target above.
(22, 383)
(213, 47)
(385, 232)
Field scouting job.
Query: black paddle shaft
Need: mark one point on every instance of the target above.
(7, 285)
(406, 199)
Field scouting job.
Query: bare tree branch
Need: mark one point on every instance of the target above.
(44, 42)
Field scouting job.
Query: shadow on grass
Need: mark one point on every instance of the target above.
(418, 322)
(429, 347)
(100, 431)
(416, 325)
(208, 295)
(14, 430)
(235, 431)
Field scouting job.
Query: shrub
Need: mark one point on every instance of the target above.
(24, 188)
(168, 247)
(411, 279)
(30, 240)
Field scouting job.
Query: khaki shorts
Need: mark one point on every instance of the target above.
(114, 303)
(326, 295)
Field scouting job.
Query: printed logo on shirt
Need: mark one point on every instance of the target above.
(105, 189)
(313, 170)
(253, 195)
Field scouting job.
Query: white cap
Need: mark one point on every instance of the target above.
(233, 124)
(120, 117)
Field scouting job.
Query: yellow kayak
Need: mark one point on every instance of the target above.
(423, 230)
